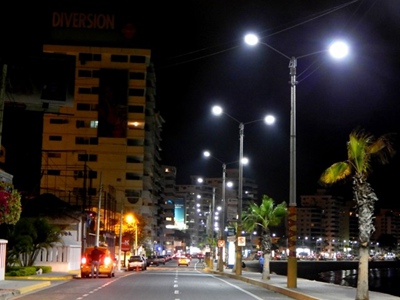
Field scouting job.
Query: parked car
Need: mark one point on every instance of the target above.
(107, 263)
(162, 259)
(183, 261)
(137, 262)
(153, 260)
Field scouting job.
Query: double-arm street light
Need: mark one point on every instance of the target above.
(222, 220)
(217, 110)
(337, 50)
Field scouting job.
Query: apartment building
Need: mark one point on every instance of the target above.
(103, 150)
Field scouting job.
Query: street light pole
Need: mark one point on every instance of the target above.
(269, 119)
(238, 263)
(224, 208)
(222, 221)
(338, 50)
(292, 215)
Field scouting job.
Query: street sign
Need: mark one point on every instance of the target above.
(231, 231)
(241, 241)
(221, 243)
(125, 246)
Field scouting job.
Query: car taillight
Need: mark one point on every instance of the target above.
(107, 260)
(83, 260)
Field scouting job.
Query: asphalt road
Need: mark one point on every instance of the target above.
(156, 283)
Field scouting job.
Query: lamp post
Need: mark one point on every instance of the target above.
(337, 50)
(131, 219)
(217, 110)
(222, 220)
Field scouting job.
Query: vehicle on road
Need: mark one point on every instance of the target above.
(137, 262)
(183, 261)
(107, 263)
(154, 260)
(162, 259)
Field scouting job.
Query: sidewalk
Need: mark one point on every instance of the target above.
(15, 286)
(305, 290)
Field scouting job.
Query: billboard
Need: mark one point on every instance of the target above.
(44, 81)
(179, 214)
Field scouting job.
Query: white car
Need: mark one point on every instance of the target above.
(137, 262)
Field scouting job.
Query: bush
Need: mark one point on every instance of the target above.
(26, 271)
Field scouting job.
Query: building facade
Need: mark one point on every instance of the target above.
(103, 150)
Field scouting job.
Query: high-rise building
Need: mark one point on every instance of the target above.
(322, 224)
(104, 150)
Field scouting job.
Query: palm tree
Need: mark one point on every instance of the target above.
(264, 216)
(361, 148)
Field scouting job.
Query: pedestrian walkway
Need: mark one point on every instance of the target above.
(305, 290)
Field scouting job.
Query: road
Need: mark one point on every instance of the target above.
(168, 282)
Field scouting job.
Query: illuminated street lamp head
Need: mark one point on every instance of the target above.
(217, 110)
(338, 49)
(251, 39)
(206, 153)
(269, 119)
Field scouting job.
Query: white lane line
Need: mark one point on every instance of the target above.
(240, 289)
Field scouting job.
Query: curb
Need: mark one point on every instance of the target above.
(39, 278)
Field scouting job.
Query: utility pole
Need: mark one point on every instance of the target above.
(98, 211)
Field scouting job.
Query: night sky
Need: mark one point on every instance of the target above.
(201, 60)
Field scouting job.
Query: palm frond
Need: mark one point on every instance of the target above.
(336, 172)
(383, 148)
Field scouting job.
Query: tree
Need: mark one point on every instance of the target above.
(28, 237)
(264, 216)
(361, 149)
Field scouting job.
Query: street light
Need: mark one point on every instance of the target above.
(222, 220)
(337, 50)
(132, 219)
(217, 110)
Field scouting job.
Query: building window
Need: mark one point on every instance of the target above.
(137, 59)
(136, 92)
(94, 124)
(87, 157)
(84, 57)
(80, 123)
(134, 159)
(133, 176)
(84, 91)
(135, 142)
(135, 108)
(86, 141)
(58, 121)
(55, 138)
(86, 107)
(53, 172)
(84, 73)
(54, 155)
(136, 75)
(119, 58)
